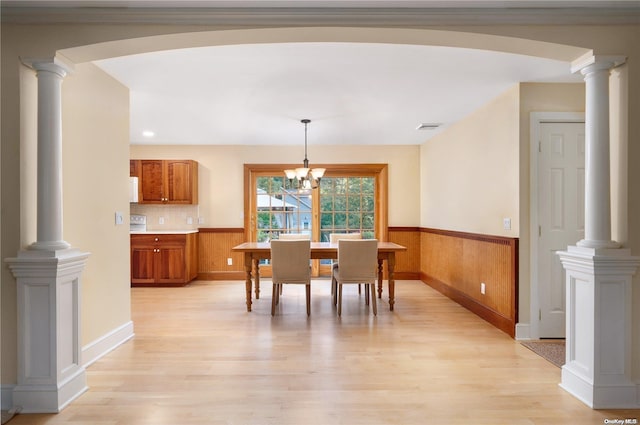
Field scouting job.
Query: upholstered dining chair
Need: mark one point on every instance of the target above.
(334, 238)
(358, 263)
(290, 264)
(293, 236)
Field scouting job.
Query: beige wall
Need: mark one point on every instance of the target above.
(221, 176)
(469, 173)
(565, 43)
(490, 172)
(96, 179)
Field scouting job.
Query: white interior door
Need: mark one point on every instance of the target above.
(560, 216)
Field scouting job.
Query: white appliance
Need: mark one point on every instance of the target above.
(137, 223)
(133, 189)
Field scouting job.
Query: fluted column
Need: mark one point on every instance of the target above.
(49, 231)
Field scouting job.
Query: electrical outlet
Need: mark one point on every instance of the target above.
(189, 220)
(200, 220)
(506, 223)
(483, 288)
(229, 261)
(119, 218)
(161, 220)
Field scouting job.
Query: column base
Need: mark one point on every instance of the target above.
(50, 371)
(584, 243)
(49, 246)
(597, 369)
(50, 398)
(623, 395)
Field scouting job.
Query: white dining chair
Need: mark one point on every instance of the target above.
(334, 238)
(290, 264)
(358, 263)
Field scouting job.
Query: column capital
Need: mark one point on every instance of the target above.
(55, 64)
(590, 62)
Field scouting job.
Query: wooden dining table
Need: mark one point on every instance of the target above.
(256, 251)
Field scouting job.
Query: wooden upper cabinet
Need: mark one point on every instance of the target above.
(166, 181)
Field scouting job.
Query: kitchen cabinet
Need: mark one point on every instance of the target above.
(162, 181)
(163, 259)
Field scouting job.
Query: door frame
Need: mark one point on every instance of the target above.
(536, 119)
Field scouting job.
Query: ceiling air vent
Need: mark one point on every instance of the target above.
(428, 126)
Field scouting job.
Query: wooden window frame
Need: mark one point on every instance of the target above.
(381, 193)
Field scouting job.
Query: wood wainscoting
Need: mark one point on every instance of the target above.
(456, 263)
(453, 263)
(214, 250)
(407, 262)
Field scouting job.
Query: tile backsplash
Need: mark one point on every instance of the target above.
(172, 217)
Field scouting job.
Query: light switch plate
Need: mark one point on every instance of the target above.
(119, 217)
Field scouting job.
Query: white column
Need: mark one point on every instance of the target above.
(597, 228)
(50, 369)
(50, 75)
(597, 368)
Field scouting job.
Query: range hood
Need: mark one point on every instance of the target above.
(133, 189)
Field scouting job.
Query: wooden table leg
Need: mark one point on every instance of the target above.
(257, 275)
(247, 267)
(391, 263)
(380, 276)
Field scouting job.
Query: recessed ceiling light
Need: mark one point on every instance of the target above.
(428, 126)
(148, 133)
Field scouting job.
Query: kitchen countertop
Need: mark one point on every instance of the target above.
(163, 232)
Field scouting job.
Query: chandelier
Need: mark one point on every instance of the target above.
(304, 177)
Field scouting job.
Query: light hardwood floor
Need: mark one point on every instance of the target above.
(199, 358)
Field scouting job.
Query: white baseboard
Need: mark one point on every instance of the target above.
(6, 396)
(103, 345)
(523, 331)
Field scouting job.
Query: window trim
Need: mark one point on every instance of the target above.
(378, 171)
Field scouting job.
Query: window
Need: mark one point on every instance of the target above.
(351, 198)
(347, 206)
(280, 209)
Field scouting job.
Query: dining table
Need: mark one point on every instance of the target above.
(254, 252)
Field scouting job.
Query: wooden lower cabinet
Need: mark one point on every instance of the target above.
(163, 259)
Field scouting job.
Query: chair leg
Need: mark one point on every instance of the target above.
(339, 299)
(308, 291)
(273, 299)
(334, 290)
(366, 294)
(359, 289)
(374, 304)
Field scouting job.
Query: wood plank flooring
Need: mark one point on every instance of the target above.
(198, 357)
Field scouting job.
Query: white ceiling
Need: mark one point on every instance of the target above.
(353, 93)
